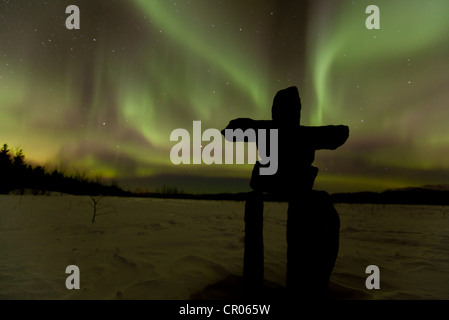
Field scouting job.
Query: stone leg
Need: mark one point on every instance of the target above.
(313, 228)
(253, 262)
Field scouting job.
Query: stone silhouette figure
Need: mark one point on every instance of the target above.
(312, 222)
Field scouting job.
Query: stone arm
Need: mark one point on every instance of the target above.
(244, 124)
(326, 137)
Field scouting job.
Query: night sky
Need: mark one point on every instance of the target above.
(104, 99)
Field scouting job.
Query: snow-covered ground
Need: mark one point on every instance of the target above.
(173, 249)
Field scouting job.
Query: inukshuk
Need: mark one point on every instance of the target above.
(312, 222)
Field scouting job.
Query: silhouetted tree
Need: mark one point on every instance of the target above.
(19, 171)
(5, 169)
(4, 155)
(19, 159)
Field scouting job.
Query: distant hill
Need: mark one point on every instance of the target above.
(425, 195)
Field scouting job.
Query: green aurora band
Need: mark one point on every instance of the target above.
(105, 99)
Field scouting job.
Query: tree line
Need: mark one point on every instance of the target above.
(16, 175)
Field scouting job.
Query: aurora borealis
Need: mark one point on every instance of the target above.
(104, 99)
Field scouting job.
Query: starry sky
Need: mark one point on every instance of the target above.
(104, 99)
